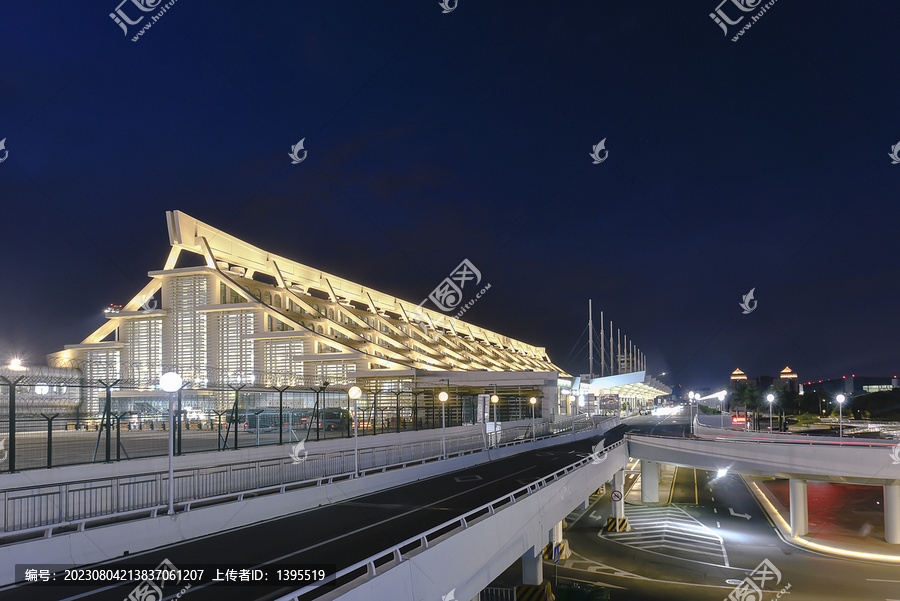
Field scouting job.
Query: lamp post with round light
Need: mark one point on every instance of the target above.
(354, 393)
(691, 410)
(495, 400)
(840, 401)
(721, 396)
(771, 398)
(171, 382)
(442, 397)
(533, 402)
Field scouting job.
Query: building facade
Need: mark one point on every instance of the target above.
(225, 314)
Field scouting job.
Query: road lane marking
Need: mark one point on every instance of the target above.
(715, 510)
(739, 515)
(718, 525)
(669, 528)
(696, 492)
(310, 547)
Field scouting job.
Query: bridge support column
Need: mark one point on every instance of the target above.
(649, 481)
(618, 507)
(799, 508)
(892, 513)
(532, 567)
(556, 535)
(617, 521)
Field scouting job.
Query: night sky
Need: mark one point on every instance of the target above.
(434, 137)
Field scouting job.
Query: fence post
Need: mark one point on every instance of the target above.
(106, 414)
(12, 420)
(50, 437)
(281, 412)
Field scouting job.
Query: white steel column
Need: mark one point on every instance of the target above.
(618, 507)
(892, 513)
(799, 508)
(649, 481)
(532, 567)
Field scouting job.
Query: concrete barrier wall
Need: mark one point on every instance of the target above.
(471, 559)
(709, 426)
(108, 542)
(850, 464)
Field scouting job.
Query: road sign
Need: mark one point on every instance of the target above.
(617, 495)
(556, 552)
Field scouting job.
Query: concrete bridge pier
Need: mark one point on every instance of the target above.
(799, 508)
(649, 481)
(556, 533)
(618, 507)
(892, 513)
(532, 566)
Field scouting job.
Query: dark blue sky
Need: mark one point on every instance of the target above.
(435, 137)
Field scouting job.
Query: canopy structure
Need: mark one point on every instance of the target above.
(635, 385)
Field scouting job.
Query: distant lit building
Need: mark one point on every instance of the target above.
(851, 385)
(738, 376)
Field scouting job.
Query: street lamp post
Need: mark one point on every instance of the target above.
(354, 393)
(840, 400)
(495, 400)
(171, 382)
(721, 396)
(770, 397)
(691, 410)
(533, 402)
(443, 396)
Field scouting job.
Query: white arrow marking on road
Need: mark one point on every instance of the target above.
(739, 515)
(595, 516)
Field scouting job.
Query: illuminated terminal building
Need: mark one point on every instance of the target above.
(227, 315)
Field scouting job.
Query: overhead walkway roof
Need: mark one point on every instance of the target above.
(636, 384)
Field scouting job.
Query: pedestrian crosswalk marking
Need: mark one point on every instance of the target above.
(669, 529)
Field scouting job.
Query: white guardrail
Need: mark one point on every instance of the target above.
(45, 510)
(393, 555)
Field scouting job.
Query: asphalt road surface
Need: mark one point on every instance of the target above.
(712, 532)
(340, 534)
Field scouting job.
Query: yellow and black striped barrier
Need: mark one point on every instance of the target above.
(534, 592)
(620, 525)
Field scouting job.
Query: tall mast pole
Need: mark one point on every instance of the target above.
(590, 340)
(602, 348)
(618, 350)
(611, 371)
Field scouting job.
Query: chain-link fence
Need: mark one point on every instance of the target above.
(74, 422)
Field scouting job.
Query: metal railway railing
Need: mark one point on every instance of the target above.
(392, 556)
(45, 510)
